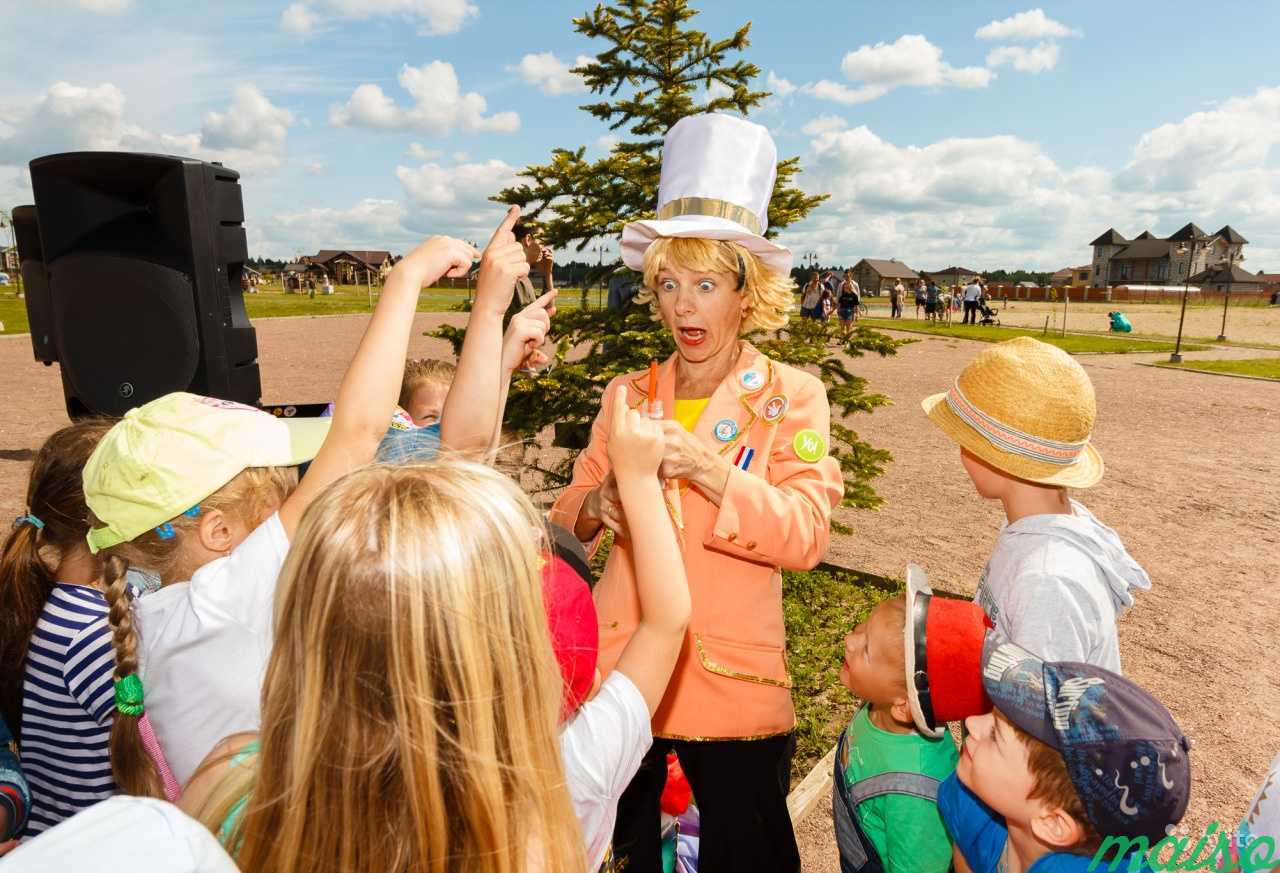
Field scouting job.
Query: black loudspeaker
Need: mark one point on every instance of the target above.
(132, 265)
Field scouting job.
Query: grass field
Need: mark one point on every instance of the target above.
(271, 302)
(1265, 368)
(1072, 342)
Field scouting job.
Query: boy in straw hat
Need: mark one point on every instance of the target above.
(1022, 412)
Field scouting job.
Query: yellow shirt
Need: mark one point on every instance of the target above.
(687, 412)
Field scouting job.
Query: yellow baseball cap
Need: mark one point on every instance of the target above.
(166, 456)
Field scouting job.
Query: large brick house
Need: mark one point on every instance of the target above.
(1148, 259)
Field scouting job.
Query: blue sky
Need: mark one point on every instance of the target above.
(990, 135)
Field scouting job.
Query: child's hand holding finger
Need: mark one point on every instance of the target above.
(636, 443)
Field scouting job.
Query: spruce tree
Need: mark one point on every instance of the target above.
(655, 70)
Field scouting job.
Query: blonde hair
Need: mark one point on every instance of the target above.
(248, 498)
(769, 295)
(424, 371)
(412, 689)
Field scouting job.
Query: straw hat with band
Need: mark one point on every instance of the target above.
(1027, 409)
(164, 457)
(718, 173)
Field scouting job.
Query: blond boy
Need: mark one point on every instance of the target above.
(1022, 413)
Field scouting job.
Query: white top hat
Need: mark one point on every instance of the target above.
(717, 177)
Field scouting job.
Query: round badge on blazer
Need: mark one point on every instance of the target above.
(775, 408)
(809, 446)
(726, 430)
(752, 381)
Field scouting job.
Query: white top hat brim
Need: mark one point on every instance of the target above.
(639, 235)
(917, 583)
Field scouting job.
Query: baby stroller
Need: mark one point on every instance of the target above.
(989, 316)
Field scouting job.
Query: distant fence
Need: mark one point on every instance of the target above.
(1125, 294)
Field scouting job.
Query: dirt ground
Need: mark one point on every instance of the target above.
(1245, 324)
(1192, 485)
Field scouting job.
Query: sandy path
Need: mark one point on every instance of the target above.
(1193, 486)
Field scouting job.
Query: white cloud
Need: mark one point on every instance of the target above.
(1002, 201)
(433, 185)
(435, 17)
(105, 7)
(1037, 59)
(551, 75)
(419, 153)
(251, 122)
(317, 168)
(298, 18)
(371, 223)
(607, 141)
(824, 124)
(1237, 134)
(877, 69)
(779, 86)
(249, 136)
(438, 106)
(825, 89)
(714, 91)
(909, 60)
(1029, 25)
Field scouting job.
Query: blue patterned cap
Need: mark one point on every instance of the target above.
(1126, 756)
(402, 446)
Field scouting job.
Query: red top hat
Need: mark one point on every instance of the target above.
(943, 642)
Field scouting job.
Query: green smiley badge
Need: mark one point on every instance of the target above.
(809, 446)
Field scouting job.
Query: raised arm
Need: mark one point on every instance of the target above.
(371, 385)
(471, 411)
(635, 449)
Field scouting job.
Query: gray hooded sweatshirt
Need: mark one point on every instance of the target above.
(1055, 585)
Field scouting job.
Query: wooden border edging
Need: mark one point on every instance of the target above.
(1186, 369)
(883, 583)
(805, 796)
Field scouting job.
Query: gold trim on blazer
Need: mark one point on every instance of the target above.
(721, 670)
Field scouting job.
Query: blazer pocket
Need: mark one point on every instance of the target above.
(750, 662)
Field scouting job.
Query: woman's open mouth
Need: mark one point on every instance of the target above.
(691, 336)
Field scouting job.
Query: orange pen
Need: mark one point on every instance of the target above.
(653, 386)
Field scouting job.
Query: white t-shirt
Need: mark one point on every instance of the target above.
(602, 746)
(205, 645)
(972, 292)
(811, 296)
(138, 834)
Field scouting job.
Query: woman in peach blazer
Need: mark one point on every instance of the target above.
(750, 488)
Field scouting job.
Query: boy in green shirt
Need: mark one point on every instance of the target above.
(896, 814)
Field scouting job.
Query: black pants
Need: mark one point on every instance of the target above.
(971, 312)
(740, 787)
(895, 309)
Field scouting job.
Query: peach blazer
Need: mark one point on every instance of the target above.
(731, 679)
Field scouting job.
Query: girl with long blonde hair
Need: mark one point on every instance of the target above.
(410, 707)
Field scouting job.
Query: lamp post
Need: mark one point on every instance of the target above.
(1226, 300)
(1176, 357)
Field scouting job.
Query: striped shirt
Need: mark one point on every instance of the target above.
(68, 699)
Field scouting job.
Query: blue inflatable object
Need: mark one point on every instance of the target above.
(1120, 324)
